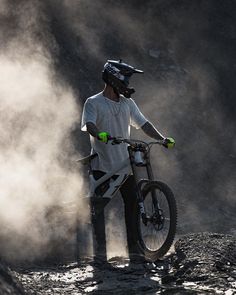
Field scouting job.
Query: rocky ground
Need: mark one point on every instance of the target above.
(9, 285)
(203, 263)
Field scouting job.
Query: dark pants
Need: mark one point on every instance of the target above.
(98, 219)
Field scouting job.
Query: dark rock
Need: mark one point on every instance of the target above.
(8, 282)
(207, 259)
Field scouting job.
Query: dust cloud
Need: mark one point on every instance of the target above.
(181, 49)
(37, 114)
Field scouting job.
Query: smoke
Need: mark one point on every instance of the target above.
(52, 50)
(115, 228)
(37, 113)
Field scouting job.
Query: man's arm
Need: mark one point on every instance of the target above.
(151, 131)
(92, 129)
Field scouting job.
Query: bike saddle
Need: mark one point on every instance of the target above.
(87, 160)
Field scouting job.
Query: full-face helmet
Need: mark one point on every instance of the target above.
(117, 75)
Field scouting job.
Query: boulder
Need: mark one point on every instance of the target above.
(8, 282)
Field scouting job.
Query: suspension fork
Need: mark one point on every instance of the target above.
(138, 191)
(151, 177)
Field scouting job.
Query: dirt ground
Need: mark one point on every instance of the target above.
(203, 263)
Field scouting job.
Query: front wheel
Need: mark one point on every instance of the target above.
(156, 233)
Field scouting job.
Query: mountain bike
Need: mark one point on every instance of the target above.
(155, 212)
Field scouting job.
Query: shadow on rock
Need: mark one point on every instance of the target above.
(124, 278)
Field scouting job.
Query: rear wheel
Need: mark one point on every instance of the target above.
(155, 235)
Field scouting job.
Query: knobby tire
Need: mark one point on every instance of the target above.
(149, 254)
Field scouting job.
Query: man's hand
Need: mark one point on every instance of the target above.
(169, 142)
(93, 130)
(103, 136)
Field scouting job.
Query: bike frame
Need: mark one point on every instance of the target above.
(115, 185)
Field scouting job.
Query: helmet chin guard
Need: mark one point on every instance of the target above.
(117, 75)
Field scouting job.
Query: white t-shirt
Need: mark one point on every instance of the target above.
(115, 118)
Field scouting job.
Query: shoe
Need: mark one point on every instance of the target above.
(137, 258)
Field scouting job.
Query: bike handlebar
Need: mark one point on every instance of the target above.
(119, 140)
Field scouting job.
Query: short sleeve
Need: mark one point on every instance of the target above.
(137, 119)
(89, 114)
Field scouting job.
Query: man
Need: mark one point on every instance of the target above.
(111, 113)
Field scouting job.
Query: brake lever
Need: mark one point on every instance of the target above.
(116, 141)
